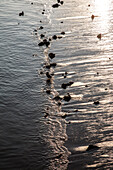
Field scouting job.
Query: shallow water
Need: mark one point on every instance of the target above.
(37, 131)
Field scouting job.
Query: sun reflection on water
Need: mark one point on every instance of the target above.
(102, 10)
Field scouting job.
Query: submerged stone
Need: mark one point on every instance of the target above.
(67, 97)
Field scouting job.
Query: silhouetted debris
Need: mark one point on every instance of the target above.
(99, 36)
(61, 22)
(86, 85)
(40, 21)
(48, 91)
(92, 17)
(59, 156)
(54, 37)
(76, 110)
(50, 39)
(31, 3)
(62, 32)
(57, 98)
(61, 2)
(64, 116)
(42, 35)
(48, 75)
(89, 5)
(59, 103)
(65, 85)
(97, 73)
(41, 44)
(96, 102)
(92, 147)
(35, 30)
(55, 5)
(41, 28)
(42, 12)
(105, 88)
(21, 13)
(51, 55)
(67, 97)
(59, 37)
(48, 81)
(46, 115)
(44, 42)
(53, 65)
(58, 1)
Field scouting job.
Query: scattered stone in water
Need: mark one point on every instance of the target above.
(58, 1)
(21, 13)
(48, 75)
(57, 98)
(41, 28)
(42, 12)
(99, 36)
(62, 32)
(105, 88)
(48, 81)
(92, 17)
(61, 22)
(64, 116)
(70, 83)
(46, 115)
(53, 65)
(97, 73)
(96, 102)
(76, 110)
(64, 85)
(41, 44)
(48, 91)
(92, 147)
(49, 39)
(61, 2)
(51, 55)
(42, 35)
(54, 37)
(55, 5)
(89, 5)
(67, 97)
(59, 37)
(86, 85)
(40, 21)
(31, 3)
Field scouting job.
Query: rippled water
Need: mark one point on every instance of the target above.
(37, 131)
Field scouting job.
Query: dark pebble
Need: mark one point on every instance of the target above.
(48, 75)
(61, 2)
(31, 3)
(41, 44)
(55, 5)
(53, 65)
(48, 91)
(67, 98)
(51, 55)
(54, 37)
(21, 13)
(58, 1)
(96, 102)
(41, 28)
(42, 35)
(42, 12)
(64, 85)
(62, 32)
(64, 116)
(57, 98)
(46, 115)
